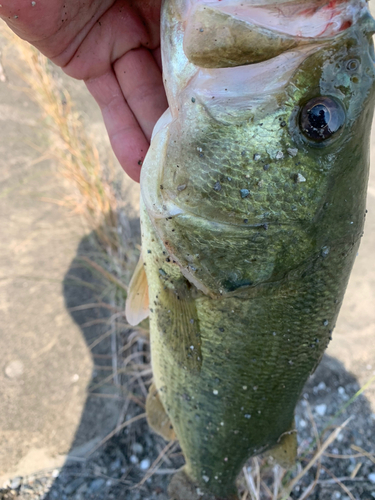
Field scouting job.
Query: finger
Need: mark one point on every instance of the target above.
(127, 138)
(117, 32)
(141, 83)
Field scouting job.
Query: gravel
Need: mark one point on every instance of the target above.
(118, 469)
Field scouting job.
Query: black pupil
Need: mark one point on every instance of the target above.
(319, 116)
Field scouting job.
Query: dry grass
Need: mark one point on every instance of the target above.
(73, 150)
(262, 480)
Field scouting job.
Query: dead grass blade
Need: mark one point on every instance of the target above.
(363, 452)
(116, 430)
(312, 486)
(250, 484)
(71, 146)
(104, 272)
(331, 438)
(278, 474)
(342, 485)
(157, 462)
(355, 470)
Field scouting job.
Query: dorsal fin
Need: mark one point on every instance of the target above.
(137, 302)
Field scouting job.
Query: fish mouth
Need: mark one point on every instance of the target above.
(235, 33)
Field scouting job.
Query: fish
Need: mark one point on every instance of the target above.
(253, 202)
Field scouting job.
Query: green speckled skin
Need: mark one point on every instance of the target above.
(245, 290)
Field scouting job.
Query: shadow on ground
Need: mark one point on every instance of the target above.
(116, 468)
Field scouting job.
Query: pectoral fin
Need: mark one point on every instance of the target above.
(179, 324)
(157, 416)
(285, 452)
(137, 302)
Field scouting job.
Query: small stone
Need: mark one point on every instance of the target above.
(75, 378)
(292, 152)
(137, 448)
(321, 409)
(145, 464)
(14, 369)
(15, 483)
(74, 485)
(193, 99)
(115, 465)
(133, 459)
(97, 484)
(256, 157)
(82, 489)
(217, 186)
(181, 187)
(205, 479)
(56, 473)
(279, 155)
(215, 392)
(247, 415)
(303, 424)
(244, 193)
(321, 386)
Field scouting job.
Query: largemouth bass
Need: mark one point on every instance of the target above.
(253, 205)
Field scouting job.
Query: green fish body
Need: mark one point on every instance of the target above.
(253, 206)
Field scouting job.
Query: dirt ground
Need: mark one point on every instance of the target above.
(50, 422)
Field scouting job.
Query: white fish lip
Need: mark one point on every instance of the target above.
(301, 19)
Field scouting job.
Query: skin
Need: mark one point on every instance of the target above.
(114, 46)
(245, 288)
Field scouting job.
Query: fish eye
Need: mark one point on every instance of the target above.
(321, 118)
(352, 65)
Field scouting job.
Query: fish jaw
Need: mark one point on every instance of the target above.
(298, 18)
(225, 34)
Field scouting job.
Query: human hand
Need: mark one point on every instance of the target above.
(114, 46)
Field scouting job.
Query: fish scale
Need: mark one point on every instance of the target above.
(253, 206)
(276, 194)
(238, 348)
